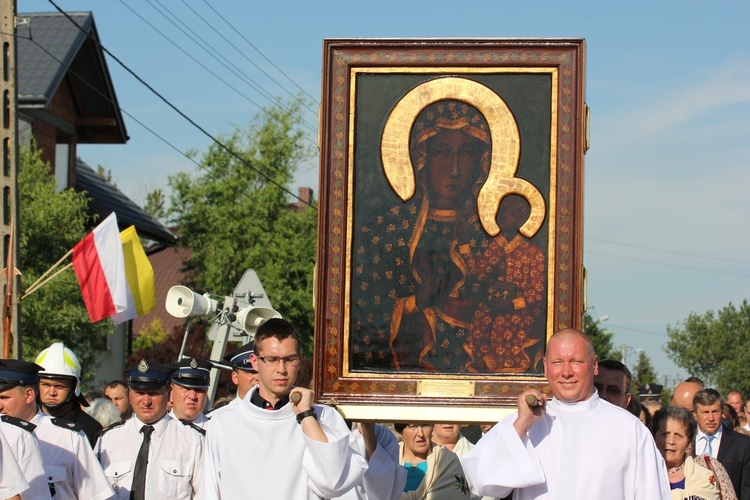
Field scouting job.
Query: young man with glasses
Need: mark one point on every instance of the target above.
(307, 450)
(613, 382)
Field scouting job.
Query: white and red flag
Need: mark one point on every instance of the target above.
(104, 273)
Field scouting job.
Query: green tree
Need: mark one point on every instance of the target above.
(234, 216)
(51, 224)
(714, 347)
(601, 338)
(155, 204)
(643, 372)
(106, 175)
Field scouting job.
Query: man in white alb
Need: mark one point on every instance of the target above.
(575, 445)
(297, 450)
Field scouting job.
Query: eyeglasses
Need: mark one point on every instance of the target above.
(611, 390)
(291, 360)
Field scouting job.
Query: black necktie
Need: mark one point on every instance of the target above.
(138, 489)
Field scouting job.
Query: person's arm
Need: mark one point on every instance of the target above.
(385, 478)
(504, 458)
(337, 465)
(527, 415)
(310, 425)
(208, 486)
(745, 485)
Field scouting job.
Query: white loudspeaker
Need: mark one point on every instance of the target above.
(249, 318)
(183, 302)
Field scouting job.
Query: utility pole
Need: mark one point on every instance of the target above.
(9, 176)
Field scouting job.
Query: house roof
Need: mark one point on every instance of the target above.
(104, 198)
(74, 57)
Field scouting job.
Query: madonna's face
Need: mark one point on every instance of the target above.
(453, 164)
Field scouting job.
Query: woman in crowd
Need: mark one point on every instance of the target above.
(674, 429)
(433, 472)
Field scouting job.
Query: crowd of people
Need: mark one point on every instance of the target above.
(150, 436)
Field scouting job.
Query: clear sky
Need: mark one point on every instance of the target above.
(667, 214)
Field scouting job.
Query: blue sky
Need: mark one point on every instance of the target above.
(666, 212)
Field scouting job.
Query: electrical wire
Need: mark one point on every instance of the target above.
(637, 330)
(258, 51)
(213, 53)
(195, 60)
(676, 266)
(673, 252)
(248, 59)
(108, 99)
(179, 111)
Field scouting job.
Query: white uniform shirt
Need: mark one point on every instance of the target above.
(12, 481)
(25, 448)
(588, 449)
(701, 443)
(69, 462)
(200, 421)
(175, 458)
(257, 453)
(385, 477)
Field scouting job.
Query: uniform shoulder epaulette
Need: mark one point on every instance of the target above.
(220, 405)
(195, 427)
(67, 424)
(109, 428)
(19, 422)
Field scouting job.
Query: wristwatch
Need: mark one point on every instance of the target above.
(307, 413)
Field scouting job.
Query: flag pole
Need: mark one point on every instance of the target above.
(10, 278)
(36, 284)
(40, 285)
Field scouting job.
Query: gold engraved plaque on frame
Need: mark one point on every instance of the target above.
(446, 388)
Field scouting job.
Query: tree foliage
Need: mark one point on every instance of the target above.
(601, 338)
(714, 347)
(51, 224)
(155, 204)
(643, 372)
(234, 216)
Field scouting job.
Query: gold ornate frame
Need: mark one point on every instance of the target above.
(462, 70)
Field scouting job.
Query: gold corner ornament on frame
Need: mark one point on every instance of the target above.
(450, 223)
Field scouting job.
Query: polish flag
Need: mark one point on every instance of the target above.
(100, 266)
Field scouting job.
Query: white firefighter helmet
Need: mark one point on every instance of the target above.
(59, 361)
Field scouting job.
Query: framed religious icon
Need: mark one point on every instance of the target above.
(450, 226)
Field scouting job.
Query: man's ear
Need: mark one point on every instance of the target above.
(596, 364)
(254, 361)
(29, 394)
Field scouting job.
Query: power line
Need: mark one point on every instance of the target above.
(107, 98)
(213, 53)
(674, 252)
(196, 61)
(248, 59)
(636, 330)
(259, 52)
(177, 110)
(676, 266)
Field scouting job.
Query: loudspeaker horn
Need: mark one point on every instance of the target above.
(183, 302)
(250, 318)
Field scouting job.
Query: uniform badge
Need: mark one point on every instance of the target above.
(143, 366)
(193, 364)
